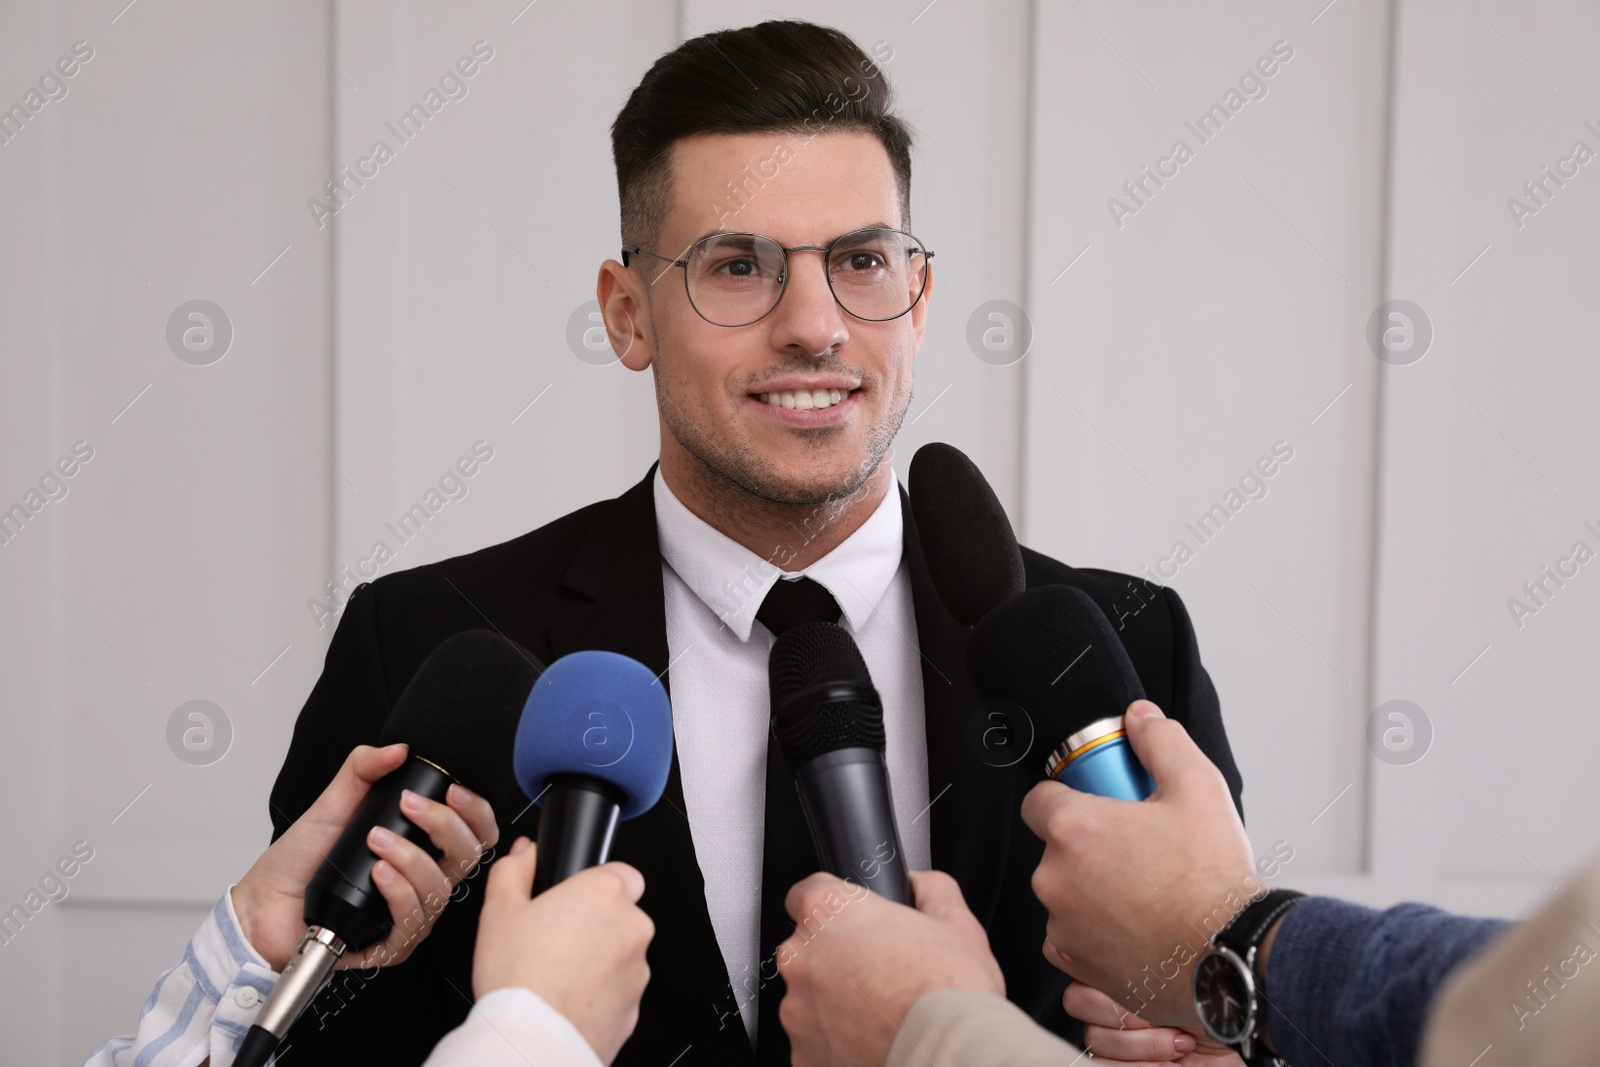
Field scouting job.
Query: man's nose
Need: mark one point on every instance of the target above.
(807, 315)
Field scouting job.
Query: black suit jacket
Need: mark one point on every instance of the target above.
(593, 579)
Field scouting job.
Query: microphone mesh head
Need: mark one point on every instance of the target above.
(966, 539)
(1052, 651)
(460, 711)
(822, 694)
(599, 714)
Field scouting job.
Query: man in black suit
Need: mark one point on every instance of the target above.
(770, 282)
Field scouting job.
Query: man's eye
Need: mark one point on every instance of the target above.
(862, 261)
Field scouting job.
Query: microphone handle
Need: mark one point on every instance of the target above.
(342, 895)
(845, 796)
(577, 820)
(343, 908)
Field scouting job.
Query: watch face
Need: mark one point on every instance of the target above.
(1224, 995)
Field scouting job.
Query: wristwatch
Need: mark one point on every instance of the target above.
(1225, 978)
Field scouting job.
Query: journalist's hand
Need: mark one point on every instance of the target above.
(270, 898)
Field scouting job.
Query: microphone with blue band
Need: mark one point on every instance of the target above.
(1049, 651)
(1099, 760)
(1052, 651)
(594, 746)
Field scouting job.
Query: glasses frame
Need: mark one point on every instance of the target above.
(783, 278)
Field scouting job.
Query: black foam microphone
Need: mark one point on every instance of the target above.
(966, 539)
(459, 716)
(1052, 652)
(827, 719)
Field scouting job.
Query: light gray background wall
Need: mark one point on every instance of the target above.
(1171, 348)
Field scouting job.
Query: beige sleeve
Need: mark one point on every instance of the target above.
(1533, 997)
(955, 1028)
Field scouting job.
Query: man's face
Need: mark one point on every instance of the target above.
(724, 393)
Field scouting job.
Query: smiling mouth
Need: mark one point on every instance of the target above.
(805, 399)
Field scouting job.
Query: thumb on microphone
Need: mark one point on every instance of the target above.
(511, 876)
(1167, 751)
(937, 895)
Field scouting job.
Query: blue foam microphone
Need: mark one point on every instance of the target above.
(1052, 652)
(594, 746)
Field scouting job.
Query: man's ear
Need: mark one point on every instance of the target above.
(625, 308)
(919, 314)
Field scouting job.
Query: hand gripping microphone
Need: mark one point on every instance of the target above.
(594, 746)
(1051, 650)
(966, 539)
(828, 722)
(457, 715)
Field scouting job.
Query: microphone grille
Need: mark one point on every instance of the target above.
(822, 694)
(460, 711)
(804, 735)
(811, 654)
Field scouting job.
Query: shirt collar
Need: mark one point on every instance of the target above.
(733, 581)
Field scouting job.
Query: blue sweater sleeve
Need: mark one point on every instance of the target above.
(1348, 986)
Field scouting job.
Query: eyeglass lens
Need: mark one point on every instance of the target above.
(737, 278)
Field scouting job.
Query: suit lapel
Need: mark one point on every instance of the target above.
(618, 571)
(972, 801)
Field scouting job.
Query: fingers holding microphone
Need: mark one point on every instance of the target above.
(858, 962)
(580, 945)
(1127, 881)
(270, 900)
(416, 886)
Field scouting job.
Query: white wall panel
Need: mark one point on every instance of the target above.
(1490, 442)
(170, 171)
(462, 260)
(1177, 344)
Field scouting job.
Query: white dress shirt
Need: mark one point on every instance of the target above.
(721, 706)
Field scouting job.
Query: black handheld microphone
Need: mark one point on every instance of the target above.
(966, 539)
(827, 719)
(458, 715)
(594, 746)
(1052, 651)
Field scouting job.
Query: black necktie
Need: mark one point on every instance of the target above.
(787, 854)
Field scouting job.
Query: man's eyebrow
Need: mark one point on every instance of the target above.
(720, 232)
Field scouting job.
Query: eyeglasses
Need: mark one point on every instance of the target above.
(735, 279)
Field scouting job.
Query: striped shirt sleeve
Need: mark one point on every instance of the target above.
(202, 1007)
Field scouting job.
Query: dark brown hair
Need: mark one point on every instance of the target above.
(781, 75)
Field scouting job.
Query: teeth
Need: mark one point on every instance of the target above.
(806, 399)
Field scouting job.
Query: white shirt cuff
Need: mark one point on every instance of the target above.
(240, 975)
(524, 1005)
(204, 1005)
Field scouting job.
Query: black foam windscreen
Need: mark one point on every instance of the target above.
(1052, 652)
(822, 694)
(967, 541)
(460, 712)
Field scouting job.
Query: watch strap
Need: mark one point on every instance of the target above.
(1249, 928)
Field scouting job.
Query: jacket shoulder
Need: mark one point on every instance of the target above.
(1108, 588)
(548, 548)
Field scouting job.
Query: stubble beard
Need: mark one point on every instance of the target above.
(740, 469)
